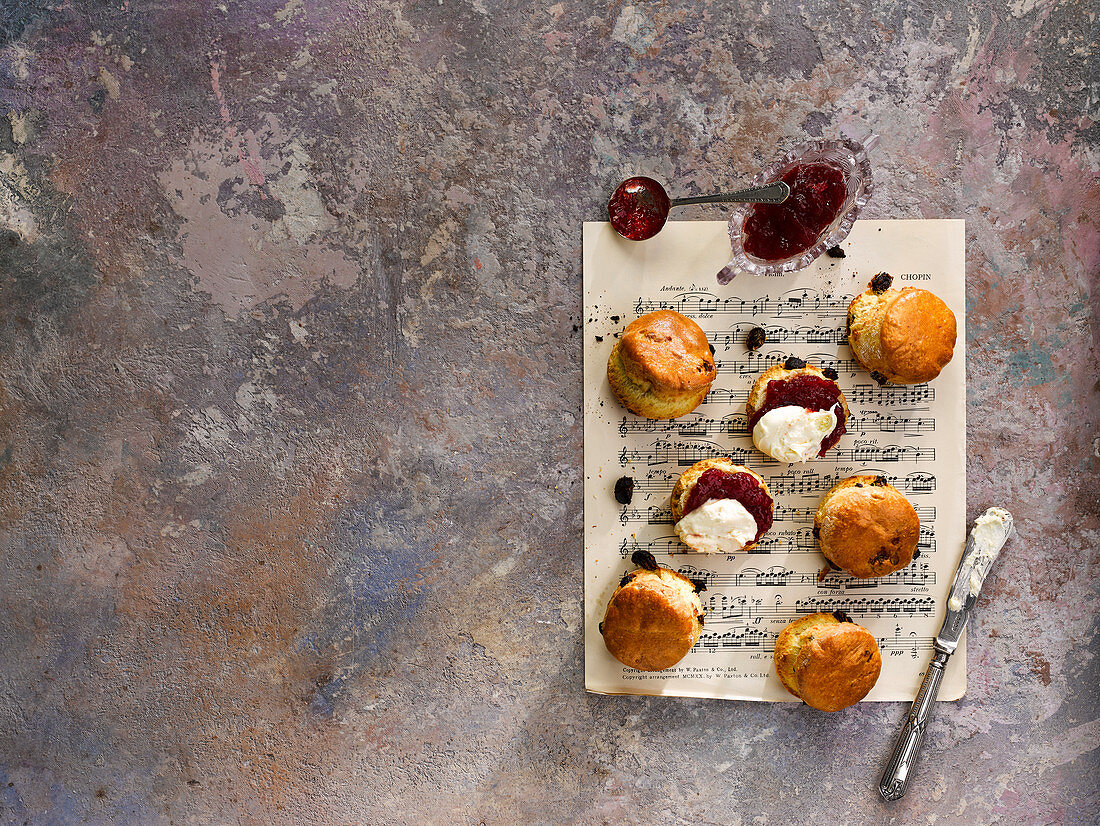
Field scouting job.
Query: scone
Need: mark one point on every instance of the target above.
(905, 336)
(828, 662)
(867, 527)
(654, 617)
(796, 411)
(720, 507)
(662, 367)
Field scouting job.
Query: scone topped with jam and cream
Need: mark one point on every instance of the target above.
(796, 411)
(720, 507)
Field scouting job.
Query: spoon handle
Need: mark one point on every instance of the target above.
(775, 193)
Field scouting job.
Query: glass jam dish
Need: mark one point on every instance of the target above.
(830, 183)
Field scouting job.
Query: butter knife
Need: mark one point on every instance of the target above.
(990, 532)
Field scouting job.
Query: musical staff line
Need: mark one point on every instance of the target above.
(757, 362)
(802, 542)
(654, 515)
(792, 304)
(723, 608)
(737, 424)
(777, 576)
(659, 483)
(759, 639)
(685, 454)
(909, 394)
(727, 340)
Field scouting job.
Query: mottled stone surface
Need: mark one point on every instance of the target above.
(290, 393)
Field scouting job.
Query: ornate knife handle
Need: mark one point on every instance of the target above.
(895, 780)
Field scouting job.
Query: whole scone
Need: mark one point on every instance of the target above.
(905, 336)
(828, 662)
(662, 366)
(797, 425)
(867, 527)
(718, 526)
(653, 619)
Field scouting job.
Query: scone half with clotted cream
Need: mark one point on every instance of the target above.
(721, 507)
(796, 411)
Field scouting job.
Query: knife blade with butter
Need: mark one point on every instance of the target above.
(990, 533)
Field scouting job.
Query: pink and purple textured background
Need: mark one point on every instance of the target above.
(290, 387)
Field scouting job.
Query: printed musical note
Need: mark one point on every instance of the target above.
(901, 642)
(794, 482)
(885, 453)
(693, 426)
(890, 394)
(647, 516)
(919, 483)
(859, 394)
(725, 607)
(725, 397)
(868, 606)
(877, 422)
(743, 638)
(663, 516)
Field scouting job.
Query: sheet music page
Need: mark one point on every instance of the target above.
(914, 435)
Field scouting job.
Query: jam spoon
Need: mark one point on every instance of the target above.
(640, 206)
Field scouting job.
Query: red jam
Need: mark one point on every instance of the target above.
(774, 232)
(810, 392)
(746, 489)
(639, 208)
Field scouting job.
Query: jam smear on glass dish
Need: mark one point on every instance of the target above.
(721, 484)
(831, 182)
(809, 392)
(638, 208)
(774, 232)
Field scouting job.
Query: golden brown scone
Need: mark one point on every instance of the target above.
(827, 662)
(758, 394)
(653, 619)
(662, 367)
(867, 527)
(905, 336)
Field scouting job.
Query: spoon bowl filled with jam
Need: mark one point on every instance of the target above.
(830, 182)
